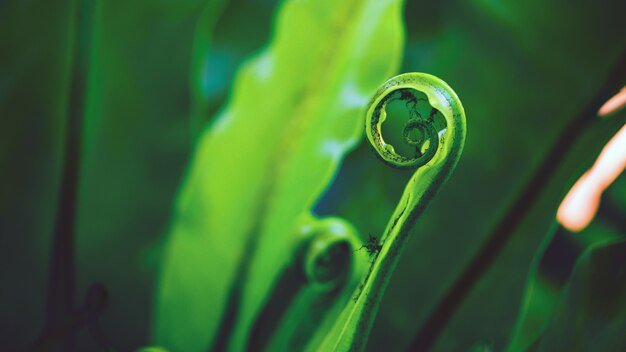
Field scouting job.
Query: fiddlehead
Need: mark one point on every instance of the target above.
(433, 124)
(432, 130)
(421, 129)
(418, 133)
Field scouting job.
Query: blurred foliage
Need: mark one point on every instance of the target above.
(264, 161)
(129, 87)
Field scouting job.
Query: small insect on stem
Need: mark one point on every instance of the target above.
(372, 246)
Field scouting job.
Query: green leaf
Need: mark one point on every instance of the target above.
(137, 137)
(592, 314)
(553, 264)
(37, 52)
(152, 349)
(295, 110)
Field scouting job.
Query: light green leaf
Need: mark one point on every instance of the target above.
(295, 111)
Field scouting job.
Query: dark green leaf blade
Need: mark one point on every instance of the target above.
(37, 41)
(592, 314)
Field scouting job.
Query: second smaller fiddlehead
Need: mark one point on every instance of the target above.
(312, 290)
(328, 254)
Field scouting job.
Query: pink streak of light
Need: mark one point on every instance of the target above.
(582, 201)
(617, 102)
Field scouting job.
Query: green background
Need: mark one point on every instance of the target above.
(138, 85)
